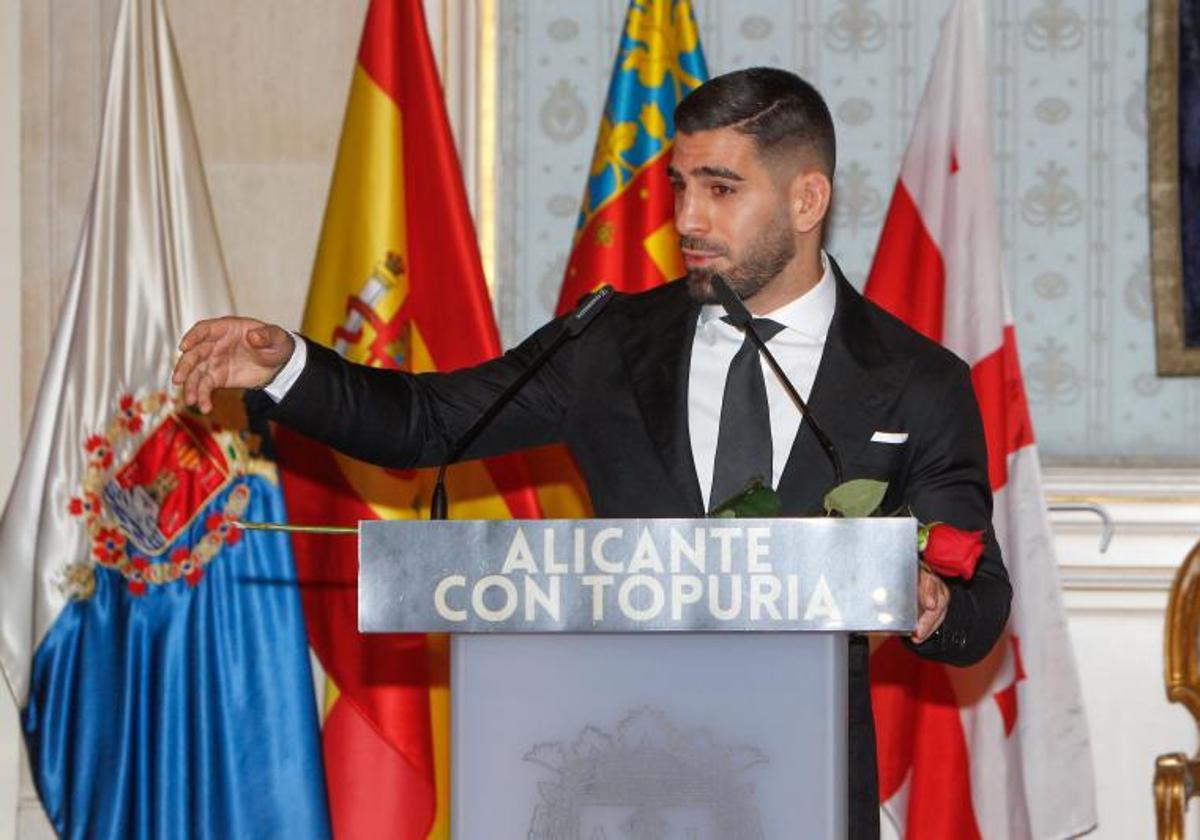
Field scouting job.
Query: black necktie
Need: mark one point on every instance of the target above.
(744, 439)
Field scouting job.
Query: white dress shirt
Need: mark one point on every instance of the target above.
(797, 348)
(278, 387)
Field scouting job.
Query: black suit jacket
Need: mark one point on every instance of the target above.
(617, 396)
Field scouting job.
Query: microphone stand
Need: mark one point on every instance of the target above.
(589, 307)
(572, 325)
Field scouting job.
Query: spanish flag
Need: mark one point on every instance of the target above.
(397, 283)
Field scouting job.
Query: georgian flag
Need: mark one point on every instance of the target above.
(998, 750)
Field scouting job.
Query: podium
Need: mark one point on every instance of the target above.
(644, 679)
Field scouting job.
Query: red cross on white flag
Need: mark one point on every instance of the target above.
(998, 750)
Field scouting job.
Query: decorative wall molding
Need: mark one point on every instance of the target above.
(1160, 505)
(1156, 520)
(1133, 484)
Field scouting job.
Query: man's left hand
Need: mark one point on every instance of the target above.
(933, 599)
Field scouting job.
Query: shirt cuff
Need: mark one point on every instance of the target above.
(278, 387)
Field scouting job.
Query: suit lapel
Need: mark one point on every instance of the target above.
(657, 351)
(856, 382)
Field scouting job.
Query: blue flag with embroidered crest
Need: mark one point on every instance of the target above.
(158, 656)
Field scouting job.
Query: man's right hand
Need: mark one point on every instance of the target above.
(229, 352)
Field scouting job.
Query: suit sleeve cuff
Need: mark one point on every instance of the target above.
(950, 642)
(278, 387)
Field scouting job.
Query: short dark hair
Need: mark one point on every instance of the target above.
(781, 111)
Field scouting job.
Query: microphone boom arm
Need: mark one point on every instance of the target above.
(575, 323)
(742, 318)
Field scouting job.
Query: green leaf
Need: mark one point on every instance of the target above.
(857, 498)
(754, 501)
(923, 536)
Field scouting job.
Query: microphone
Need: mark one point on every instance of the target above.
(741, 318)
(585, 312)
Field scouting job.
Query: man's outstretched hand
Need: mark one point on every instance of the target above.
(229, 352)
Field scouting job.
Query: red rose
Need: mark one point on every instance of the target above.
(951, 552)
(75, 507)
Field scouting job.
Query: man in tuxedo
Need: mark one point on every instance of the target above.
(666, 406)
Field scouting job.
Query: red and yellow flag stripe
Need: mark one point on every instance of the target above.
(626, 232)
(397, 283)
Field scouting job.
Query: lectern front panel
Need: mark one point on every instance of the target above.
(638, 575)
(710, 736)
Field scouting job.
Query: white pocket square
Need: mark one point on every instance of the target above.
(889, 437)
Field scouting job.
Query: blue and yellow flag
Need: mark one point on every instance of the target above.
(157, 653)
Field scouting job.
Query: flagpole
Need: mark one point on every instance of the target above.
(296, 529)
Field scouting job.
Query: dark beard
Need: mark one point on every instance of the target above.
(700, 285)
(765, 258)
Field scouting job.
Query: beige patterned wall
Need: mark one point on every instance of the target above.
(10, 248)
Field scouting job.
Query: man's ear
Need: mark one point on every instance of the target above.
(810, 194)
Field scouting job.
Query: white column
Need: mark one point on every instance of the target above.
(453, 33)
(10, 348)
(463, 34)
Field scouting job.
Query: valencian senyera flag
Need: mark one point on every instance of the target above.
(157, 654)
(626, 231)
(625, 235)
(397, 284)
(1000, 749)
